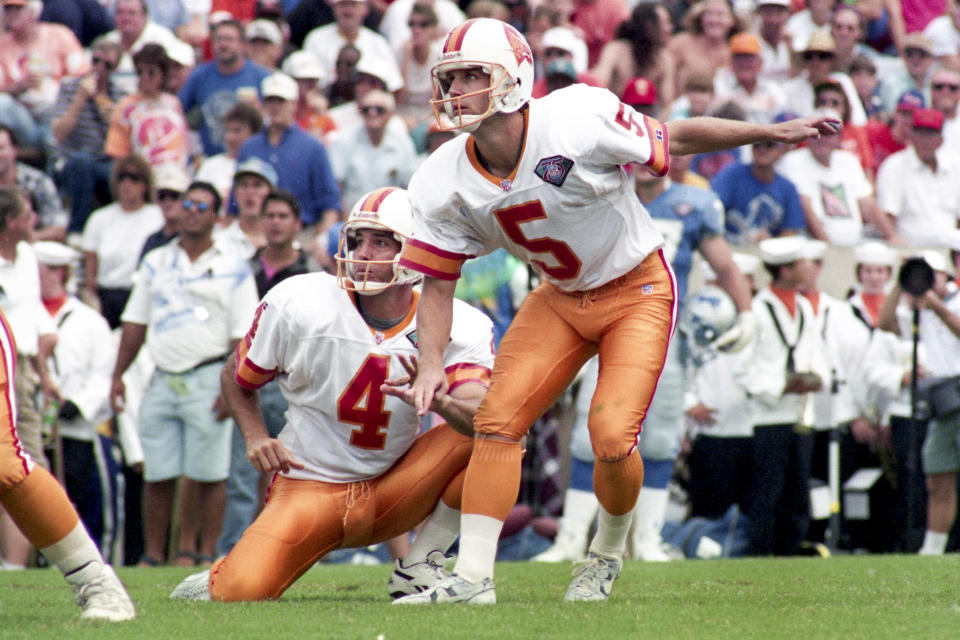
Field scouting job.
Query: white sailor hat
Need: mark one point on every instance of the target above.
(748, 263)
(952, 239)
(55, 254)
(814, 249)
(874, 252)
(782, 250)
(936, 260)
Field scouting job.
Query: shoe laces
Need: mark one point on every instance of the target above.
(594, 568)
(102, 589)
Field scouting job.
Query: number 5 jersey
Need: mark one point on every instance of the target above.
(568, 208)
(309, 333)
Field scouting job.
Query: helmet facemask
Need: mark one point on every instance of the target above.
(501, 88)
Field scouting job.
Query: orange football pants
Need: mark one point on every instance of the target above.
(629, 322)
(305, 519)
(32, 497)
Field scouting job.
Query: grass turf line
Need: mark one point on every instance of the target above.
(849, 597)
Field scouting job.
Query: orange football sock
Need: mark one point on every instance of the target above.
(493, 477)
(617, 484)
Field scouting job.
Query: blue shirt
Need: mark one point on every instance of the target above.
(685, 216)
(303, 169)
(216, 94)
(753, 205)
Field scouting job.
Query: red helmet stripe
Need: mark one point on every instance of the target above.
(375, 199)
(455, 39)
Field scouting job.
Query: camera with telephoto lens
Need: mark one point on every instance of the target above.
(916, 276)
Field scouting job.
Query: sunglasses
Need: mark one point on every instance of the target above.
(816, 55)
(109, 64)
(135, 177)
(376, 110)
(201, 207)
(167, 194)
(945, 86)
(413, 24)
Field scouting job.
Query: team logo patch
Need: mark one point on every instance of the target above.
(554, 169)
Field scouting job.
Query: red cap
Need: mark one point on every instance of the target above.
(639, 91)
(928, 119)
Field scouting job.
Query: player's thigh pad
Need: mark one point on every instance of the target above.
(302, 521)
(537, 359)
(409, 491)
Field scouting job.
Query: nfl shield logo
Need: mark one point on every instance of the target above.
(659, 134)
(646, 289)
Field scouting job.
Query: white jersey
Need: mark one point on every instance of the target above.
(330, 364)
(568, 208)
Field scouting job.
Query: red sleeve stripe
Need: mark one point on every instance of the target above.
(432, 261)
(247, 374)
(463, 373)
(659, 161)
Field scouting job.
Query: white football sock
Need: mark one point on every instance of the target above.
(439, 532)
(479, 535)
(611, 537)
(73, 551)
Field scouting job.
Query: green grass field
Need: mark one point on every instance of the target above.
(849, 597)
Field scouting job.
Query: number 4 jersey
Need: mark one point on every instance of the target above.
(568, 208)
(308, 333)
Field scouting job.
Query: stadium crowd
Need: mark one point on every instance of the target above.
(182, 157)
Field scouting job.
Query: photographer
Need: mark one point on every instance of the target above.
(939, 331)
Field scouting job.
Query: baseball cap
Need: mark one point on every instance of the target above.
(639, 90)
(53, 254)
(745, 43)
(170, 177)
(279, 85)
(928, 119)
(371, 65)
(566, 39)
(303, 65)
(919, 41)
(821, 41)
(181, 53)
(783, 250)
(263, 29)
(257, 167)
(911, 101)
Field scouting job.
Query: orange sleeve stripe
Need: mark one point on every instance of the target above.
(431, 261)
(462, 373)
(659, 161)
(247, 374)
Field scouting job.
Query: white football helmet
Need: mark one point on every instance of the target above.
(707, 315)
(497, 49)
(387, 208)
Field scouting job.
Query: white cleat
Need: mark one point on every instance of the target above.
(101, 595)
(453, 588)
(419, 576)
(193, 587)
(593, 579)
